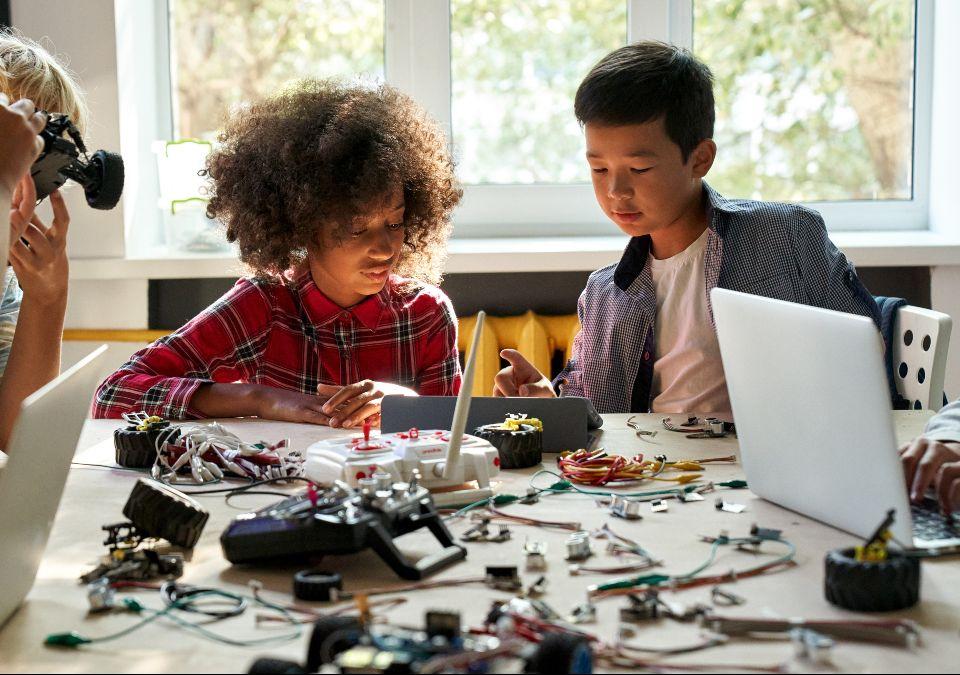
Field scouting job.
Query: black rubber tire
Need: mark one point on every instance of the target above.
(138, 449)
(883, 586)
(109, 186)
(157, 510)
(561, 654)
(267, 666)
(517, 449)
(316, 585)
(332, 635)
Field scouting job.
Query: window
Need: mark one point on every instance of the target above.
(814, 99)
(225, 54)
(824, 102)
(515, 67)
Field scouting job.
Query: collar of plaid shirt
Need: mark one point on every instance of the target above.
(322, 310)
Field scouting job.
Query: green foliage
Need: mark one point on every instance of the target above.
(814, 97)
(515, 68)
(230, 52)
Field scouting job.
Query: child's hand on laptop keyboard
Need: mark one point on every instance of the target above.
(933, 464)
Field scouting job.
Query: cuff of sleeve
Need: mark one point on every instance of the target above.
(943, 435)
(176, 403)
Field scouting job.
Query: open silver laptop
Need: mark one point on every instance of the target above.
(812, 406)
(41, 447)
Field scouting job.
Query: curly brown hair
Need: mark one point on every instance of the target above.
(312, 158)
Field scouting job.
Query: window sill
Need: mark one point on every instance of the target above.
(535, 254)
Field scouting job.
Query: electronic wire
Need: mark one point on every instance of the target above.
(691, 579)
(564, 485)
(74, 639)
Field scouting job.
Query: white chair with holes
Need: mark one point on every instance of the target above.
(921, 339)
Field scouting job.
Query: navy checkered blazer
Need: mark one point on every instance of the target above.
(771, 249)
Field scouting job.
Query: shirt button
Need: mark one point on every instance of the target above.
(646, 356)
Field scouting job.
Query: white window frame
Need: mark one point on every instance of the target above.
(417, 60)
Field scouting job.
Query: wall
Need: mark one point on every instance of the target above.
(173, 302)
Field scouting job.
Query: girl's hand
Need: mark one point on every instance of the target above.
(349, 406)
(39, 253)
(290, 406)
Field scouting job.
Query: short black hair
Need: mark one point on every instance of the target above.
(649, 80)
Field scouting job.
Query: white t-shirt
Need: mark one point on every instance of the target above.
(687, 374)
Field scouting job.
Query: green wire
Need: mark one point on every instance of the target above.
(661, 579)
(564, 485)
(73, 639)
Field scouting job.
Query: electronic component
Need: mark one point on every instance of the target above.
(700, 427)
(101, 596)
(812, 646)
(625, 507)
(722, 505)
(503, 578)
(316, 585)
(481, 533)
(724, 598)
(584, 613)
(341, 644)
(128, 561)
(538, 587)
(640, 608)
(400, 454)
(898, 632)
(445, 625)
(536, 555)
(578, 546)
(443, 458)
(156, 511)
(658, 505)
(341, 520)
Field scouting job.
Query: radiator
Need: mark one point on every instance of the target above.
(536, 336)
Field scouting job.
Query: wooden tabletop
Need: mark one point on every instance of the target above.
(95, 496)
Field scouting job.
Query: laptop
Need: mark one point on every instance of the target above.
(567, 420)
(41, 447)
(811, 402)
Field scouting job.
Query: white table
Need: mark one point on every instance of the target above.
(95, 496)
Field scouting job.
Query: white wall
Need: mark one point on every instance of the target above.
(83, 34)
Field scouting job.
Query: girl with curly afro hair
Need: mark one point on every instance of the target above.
(339, 198)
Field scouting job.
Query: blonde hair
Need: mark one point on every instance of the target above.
(27, 70)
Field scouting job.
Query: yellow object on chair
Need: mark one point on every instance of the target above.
(535, 336)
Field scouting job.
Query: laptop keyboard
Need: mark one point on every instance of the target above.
(930, 524)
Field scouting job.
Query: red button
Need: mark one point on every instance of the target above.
(646, 356)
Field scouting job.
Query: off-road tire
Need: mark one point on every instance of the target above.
(158, 510)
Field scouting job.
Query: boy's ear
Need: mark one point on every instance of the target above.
(702, 157)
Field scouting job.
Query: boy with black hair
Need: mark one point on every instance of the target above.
(647, 339)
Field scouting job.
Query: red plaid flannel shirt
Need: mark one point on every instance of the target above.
(291, 336)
